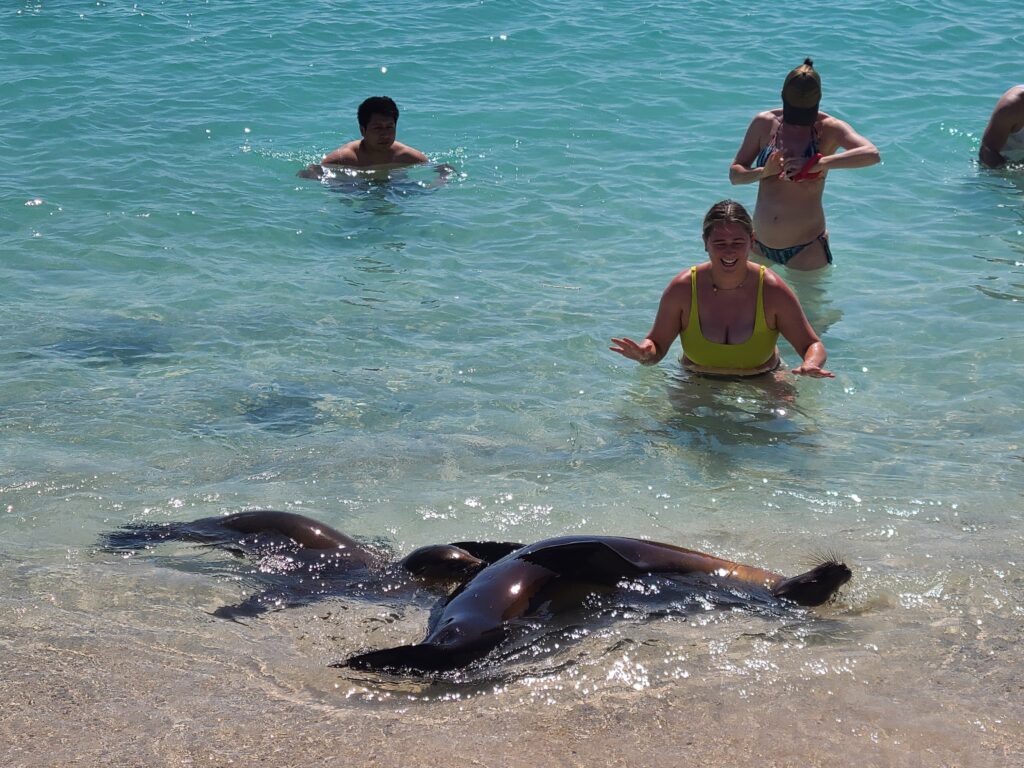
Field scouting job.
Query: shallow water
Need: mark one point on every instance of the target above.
(190, 329)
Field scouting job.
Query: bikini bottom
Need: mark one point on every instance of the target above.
(783, 255)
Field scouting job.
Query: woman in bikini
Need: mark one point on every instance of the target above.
(727, 312)
(789, 151)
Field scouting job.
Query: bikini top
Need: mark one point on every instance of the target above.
(811, 153)
(752, 353)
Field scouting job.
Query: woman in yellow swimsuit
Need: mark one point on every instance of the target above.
(728, 312)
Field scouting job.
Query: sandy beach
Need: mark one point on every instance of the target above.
(115, 677)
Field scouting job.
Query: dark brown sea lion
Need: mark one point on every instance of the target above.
(562, 572)
(302, 559)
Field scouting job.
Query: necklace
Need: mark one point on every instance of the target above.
(716, 289)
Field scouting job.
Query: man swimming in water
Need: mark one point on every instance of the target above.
(378, 120)
(1003, 140)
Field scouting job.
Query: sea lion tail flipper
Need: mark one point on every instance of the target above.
(136, 536)
(423, 657)
(816, 586)
(227, 532)
(589, 560)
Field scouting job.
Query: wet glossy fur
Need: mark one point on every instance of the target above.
(480, 614)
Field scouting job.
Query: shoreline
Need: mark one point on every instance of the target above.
(139, 679)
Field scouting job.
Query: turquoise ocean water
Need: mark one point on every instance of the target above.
(188, 329)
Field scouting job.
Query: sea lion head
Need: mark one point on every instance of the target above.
(442, 562)
(817, 586)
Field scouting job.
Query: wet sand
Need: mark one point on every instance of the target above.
(116, 669)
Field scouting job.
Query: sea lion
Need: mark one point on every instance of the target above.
(301, 559)
(558, 574)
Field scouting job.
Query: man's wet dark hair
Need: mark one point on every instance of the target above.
(376, 105)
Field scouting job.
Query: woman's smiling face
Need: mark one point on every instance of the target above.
(728, 245)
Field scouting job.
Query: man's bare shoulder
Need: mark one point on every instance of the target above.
(1011, 103)
(1014, 95)
(347, 154)
(406, 154)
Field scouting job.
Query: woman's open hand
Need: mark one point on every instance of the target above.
(813, 370)
(644, 353)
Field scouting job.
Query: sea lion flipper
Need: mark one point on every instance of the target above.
(437, 653)
(137, 536)
(134, 537)
(589, 560)
(420, 658)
